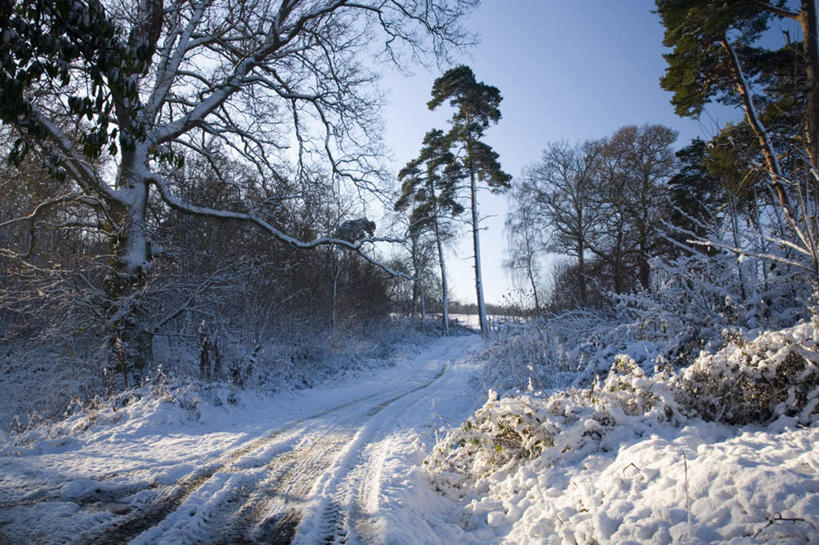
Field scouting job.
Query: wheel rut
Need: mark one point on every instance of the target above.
(128, 525)
(257, 493)
(271, 517)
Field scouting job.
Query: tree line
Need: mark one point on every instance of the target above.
(622, 208)
(171, 162)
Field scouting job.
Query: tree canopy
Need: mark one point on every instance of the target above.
(114, 98)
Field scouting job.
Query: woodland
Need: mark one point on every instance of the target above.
(200, 230)
(186, 174)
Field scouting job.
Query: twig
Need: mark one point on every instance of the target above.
(777, 517)
(687, 496)
(632, 464)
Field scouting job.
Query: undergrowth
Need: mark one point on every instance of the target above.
(772, 377)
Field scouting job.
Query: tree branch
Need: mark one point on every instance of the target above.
(178, 204)
(782, 12)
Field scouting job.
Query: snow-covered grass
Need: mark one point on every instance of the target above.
(720, 451)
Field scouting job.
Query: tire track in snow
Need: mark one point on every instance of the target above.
(168, 500)
(315, 462)
(263, 508)
(274, 518)
(260, 491)
(355, 495)
(111, 495)
(343, 512)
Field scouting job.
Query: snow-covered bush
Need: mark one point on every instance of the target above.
(695, 298)
(255, 357)
(774, 375)
(771, 376)
(568, 348)
(253, 360)
(569, 422)
(693, 301)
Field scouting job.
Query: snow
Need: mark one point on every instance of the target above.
(77, 475)
(637, 493)
(628, 459)
(374, 457)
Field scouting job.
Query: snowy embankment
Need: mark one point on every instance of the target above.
(704, 483)
(630, 459)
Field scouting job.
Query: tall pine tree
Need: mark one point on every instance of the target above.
(716, 54)
(476, 106)
(433, 193)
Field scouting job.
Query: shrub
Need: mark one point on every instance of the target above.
(570, 422)
(772, 376)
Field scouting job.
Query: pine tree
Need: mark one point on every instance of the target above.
(696, 194)
(716, 55)
(476, 106)
(433, 192)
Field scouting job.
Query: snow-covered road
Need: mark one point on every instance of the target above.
(337, 464)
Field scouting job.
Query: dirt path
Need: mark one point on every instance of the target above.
(315, 479)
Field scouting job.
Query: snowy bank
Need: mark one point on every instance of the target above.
(723, 451)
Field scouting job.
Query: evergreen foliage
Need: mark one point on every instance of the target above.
(698, 67)
(476, 106)
(430, 183)
(433, 193)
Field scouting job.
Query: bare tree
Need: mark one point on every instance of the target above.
(611, 241)
(643, 162)
(278, 83)
(527, 240)
(563, 186)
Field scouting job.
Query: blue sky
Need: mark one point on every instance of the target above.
(567, 70)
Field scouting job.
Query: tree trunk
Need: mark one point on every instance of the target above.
(423, 306)
(336, 273)
(476, 245)
(735, 232)
(618, 262)
(811, 52)
(645, 269)
(444, 285)
(414, 302)
(130, 341)
(416, 281)
(531, 275)
(581, 273)
(751, 116)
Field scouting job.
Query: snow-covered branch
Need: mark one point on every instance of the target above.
(357, 246)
